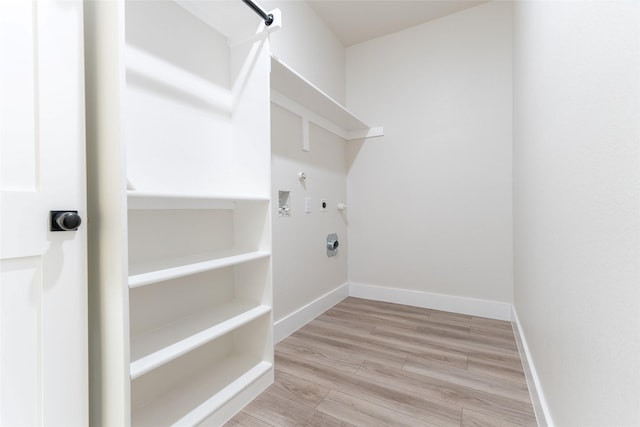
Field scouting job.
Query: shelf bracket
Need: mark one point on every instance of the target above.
(305, 134)
(310, 116)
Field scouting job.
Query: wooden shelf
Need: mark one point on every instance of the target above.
(149, 200)
(293, 92)
(213, 387)
(154, 348)
(146, 274)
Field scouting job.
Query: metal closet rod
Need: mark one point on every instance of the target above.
(268, 18)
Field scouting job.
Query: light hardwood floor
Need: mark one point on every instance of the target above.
(369, 363)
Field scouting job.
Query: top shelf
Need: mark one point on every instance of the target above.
(147, 200)
(288, 83)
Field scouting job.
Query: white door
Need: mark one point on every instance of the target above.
(43, 279)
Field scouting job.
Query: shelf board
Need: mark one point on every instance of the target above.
(159, 346)
(150, 200)
(287, 83)
(155, 272)
(213, 388)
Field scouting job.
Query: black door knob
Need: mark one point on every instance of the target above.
(65, 220)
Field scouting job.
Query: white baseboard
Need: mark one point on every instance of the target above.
(294, 321)
(540, 407)
(455, 304)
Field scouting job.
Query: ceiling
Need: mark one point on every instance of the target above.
(355, 21)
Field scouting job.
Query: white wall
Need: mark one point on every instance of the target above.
(430, 202)
(576, 205)
(307, 45)
(302, 272)
(183, 132)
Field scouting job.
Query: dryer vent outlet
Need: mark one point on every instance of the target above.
(332, 245)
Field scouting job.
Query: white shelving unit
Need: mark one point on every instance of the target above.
(292, 91)
(181, 292)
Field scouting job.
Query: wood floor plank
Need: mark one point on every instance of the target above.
(357, 352)
(382, 314)
(475, 419)
(468, 338)
(355, 342)
(295, 388)
(361, 412)
(344, 362)
(367, 306)
(445, 361)
(494, 323)
(465, 397)
(497, 361)
(445, 327)
(351, 316)
(466, 320)
(340, 325)
(464, 333)
(474, 380)
(450, 317)
(507, 371)
(279, 411)
(434, 412)
(506, 334)
(385, 345)
(437, 342)
(245, 420)
(379, 316)
(398, 308)
(370, 363)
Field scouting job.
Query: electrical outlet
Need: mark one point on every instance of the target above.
(307, 204)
